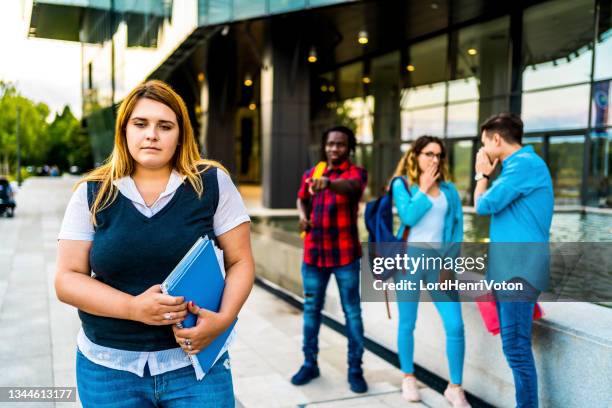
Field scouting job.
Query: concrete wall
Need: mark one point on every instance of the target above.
(572, 343)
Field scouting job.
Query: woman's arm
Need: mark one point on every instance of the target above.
(411, 208)
(240, 269)
(239, 278)
(75, 286)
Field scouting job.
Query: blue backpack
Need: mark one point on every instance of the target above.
(379, 223)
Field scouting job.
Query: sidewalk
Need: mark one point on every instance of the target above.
(38, 333)
(268, 352)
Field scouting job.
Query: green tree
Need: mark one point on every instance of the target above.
(62, 142)
(32, 128)
(68, 144)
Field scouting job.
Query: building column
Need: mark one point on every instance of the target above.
(285, 116)
(385, 88)
(495, 71)
(218, 101)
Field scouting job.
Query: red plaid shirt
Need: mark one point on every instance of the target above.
(333, 240)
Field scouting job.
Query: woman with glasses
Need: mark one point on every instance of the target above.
(431, 208)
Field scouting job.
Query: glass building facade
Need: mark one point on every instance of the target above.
(263, 78)
(223, 11)
(450, 82)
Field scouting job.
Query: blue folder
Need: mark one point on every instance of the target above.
(198, 277)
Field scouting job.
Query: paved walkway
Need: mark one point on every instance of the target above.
(38, 333)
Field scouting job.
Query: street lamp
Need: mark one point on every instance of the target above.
(18, 140)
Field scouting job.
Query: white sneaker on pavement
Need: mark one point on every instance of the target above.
(456, 397)
(410, 390)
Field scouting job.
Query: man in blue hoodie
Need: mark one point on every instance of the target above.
(520, 202)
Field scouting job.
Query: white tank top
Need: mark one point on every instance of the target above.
(430, 228)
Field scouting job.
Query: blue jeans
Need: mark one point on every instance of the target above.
(315, 283)
(515, 324)
(100, 386)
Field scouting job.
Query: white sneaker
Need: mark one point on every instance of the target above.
(410, 390)
(456, 397)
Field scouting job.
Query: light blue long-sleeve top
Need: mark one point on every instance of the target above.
(412, 207)
(521, 200)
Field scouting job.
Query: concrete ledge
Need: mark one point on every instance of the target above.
(572, 343)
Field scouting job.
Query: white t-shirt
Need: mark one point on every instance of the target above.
(430, 228)
(231, 212)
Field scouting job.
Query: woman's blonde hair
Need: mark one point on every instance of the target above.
(186, 161)
(409, 165)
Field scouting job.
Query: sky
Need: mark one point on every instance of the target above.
(46, 71)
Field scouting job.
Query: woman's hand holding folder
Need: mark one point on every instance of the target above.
(208, 327)
(154, 308)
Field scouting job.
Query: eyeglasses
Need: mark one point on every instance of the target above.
(431, 155)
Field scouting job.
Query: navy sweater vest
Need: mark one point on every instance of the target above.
(131, 253)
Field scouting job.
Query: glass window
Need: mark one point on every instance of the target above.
(461, 168)
(465, 10)
(404, 147)
(603, 46)
(422, 101)
(419, 122)
(599, 190)
(363, 156)
(560, 71)
(563, 108)
(565, 163)
(286, 5)
(426, 62)
(557, 45)
(350, 81)
(491, 106)
(324, 2)
(537, 143)
(216, 11)
(462, 119)
(463, 90)
(249, 8)
(384, 71)
(481, 55)
(357, 114)
(601, 104)
(423, 96)
(423, 17)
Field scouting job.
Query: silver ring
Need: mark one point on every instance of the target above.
(188, 342)
(168, 316)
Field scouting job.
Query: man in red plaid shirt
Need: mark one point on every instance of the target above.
(328, 215)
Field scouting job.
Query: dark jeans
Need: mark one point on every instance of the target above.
(315, 283)
(515, 323)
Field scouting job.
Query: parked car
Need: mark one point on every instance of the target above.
(7, 199)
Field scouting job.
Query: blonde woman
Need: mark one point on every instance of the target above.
(432, 211)
(129, 222)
